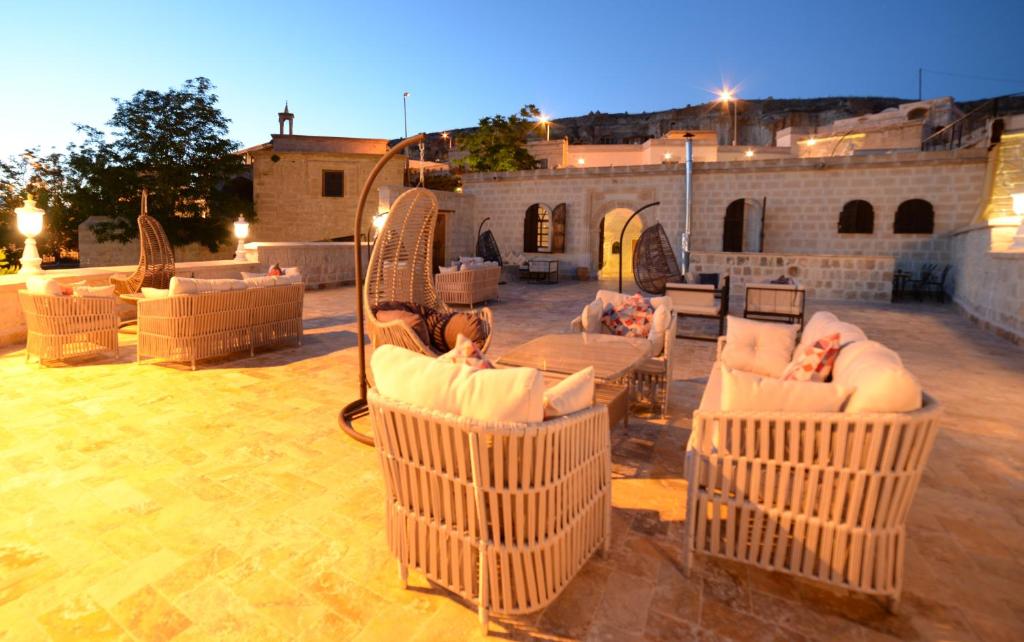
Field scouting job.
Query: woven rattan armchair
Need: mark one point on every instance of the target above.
(469, 286)
(822, 496)
(156, 259)
(503, 515)
(400, 269)
(60, 327)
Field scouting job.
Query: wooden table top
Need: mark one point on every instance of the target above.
(613, 357)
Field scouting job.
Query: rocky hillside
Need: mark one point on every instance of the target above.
(759, 120)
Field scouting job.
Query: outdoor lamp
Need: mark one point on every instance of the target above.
(241, 233)
(30, 223)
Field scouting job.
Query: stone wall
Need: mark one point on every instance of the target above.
(92, 253)
(989, 285)
(321, 264)
(826, 278)
(803, 196)
(288, 194)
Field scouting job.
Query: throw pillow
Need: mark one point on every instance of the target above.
(44, 285)
(631, 318)
(155, 293)
(760, 347)
(744, 392)
(275, 270)
(464, 324)
(814, 362)
(434, 320)
(574, 393)
(466, 352)
(591, 317)
(410, 319)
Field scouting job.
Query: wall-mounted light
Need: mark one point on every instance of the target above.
(668, 157)
(580, 161)
(30, 223)
(241, 233)
(749, 153)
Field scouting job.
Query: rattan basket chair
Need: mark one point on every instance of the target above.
(156, 258)
(502, 514)
(401, 268)
(60, 327)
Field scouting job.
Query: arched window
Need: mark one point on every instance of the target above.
(917, 113)
(915, 216)
(857, 217)
(732, 232)
(544, 229)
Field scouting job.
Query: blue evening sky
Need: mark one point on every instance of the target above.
(344, 65)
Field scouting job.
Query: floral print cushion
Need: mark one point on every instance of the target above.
(631, 318)
(814, 362)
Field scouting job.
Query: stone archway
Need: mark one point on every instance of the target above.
(611, 228)
(600, 203)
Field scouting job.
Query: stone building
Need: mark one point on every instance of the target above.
(305, 188)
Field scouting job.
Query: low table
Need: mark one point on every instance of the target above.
(133, 299)
(613, 359)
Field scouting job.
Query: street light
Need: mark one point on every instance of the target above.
(446, 137)
(546, 121)
(727, 95)
(30, 223)
(405, 112)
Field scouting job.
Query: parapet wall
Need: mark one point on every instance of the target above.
(989, 285)
(825, 277)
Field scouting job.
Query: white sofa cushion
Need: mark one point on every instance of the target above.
(155, 293)
(822, 324)
(572, 394)
(270, 281)
(880, 382)
(591, 317)
(94, 291)
(182, 285)
(759, 347)
(514, 395)
(44, 285)
(745, 392)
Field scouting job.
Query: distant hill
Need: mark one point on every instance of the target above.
(759, 120)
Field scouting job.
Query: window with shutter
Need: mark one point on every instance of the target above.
(857, 217)
(915, 216)
(333, 183)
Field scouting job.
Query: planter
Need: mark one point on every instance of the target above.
(582, 273)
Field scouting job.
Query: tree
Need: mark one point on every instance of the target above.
(499, 143)
(43, 177)
(175, 143)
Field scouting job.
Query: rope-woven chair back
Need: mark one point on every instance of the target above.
(156, 256)
(487, 248)
(654, 261)
(401, 265)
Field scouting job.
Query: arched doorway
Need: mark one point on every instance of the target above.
(609, 250)
(732, 230)
(743, 226)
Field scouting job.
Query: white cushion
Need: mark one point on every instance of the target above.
(444, 269)
(686, 296)
(94, 291)
(514, 395)
(269, 281)
(759, 347)
(880, 382)
(570, 395)
(705, 310)
(155, 293)
(711, 400)
(44, 285)
(742, 391)
(591, 317)
(660, 324)
(822, 324)
(182, 285)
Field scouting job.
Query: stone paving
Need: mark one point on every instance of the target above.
(148, 502)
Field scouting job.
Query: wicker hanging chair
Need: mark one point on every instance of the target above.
(401, 269)
(487, 246)
(654, 262)
(156, 256)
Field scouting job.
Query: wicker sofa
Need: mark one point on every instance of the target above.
(468, 286)
(189, 327)
(819, 495)
(60, 327)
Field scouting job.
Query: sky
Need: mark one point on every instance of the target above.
(343, 66)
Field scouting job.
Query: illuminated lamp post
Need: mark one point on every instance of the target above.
(727, 96)
(546, 121)
(241, 233)
(30, 223)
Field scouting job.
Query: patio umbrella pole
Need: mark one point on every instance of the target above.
(622, 235)
(357, 408)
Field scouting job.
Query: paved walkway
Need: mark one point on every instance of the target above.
(150, 502)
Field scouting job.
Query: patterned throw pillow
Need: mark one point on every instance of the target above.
(275, 270)
(466, 352)
(814, 362)
(631, 318)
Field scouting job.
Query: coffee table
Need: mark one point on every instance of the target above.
(613, 358)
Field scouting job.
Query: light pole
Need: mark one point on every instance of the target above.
(405, 113)
(727, 95)
(546, 121)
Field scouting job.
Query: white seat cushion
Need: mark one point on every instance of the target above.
(759, 347)
(572, 394)
(742, 391)
(182, 285)
(94, 291)
(270, 281)
(711, 401)
(879, 380)
(513, 395)
(703, 310)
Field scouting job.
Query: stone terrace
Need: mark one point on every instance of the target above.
(150, 502)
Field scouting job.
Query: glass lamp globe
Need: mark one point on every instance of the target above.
(30, 218)
(241, 233)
